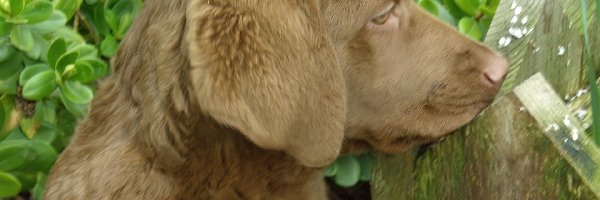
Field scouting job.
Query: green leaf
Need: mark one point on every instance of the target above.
(55, 51)
(47, 133)
(77, 92)
(99, 20)
(454, 9)
(78, 110)
(591, 73)
(27, 180)
(84, 72)
(468, 6)
(68, 7)
(41, 159)
(366, 166)
(55, 21)
(109, 46)
(492, 4)
(9, 185)
(445, 14)
(69, 71)
(124, 24)
(111, 19)
(597, 10)
(12, 156)
(37, 11)
(86, 51)
(331, 170)
(16, 7)
(484, 23)
(68, 34)
(99, 67)
(6, 50)
(90, 2)
(121, 7)
(436, 8)
(31, 71)
(29, 126)
(5, 27)
(40, 45)
(22, 38)
(49, 110)
(38, 189)
(65, 60)
(39, 86)
(9, 85)
(429, 6)
(11, 66)
(470, 27)
(7, 102)
(348, 171)
(15, 134)
(3, 121)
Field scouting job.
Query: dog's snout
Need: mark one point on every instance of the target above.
(495, 71)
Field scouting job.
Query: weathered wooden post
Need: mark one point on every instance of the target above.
(529, 144)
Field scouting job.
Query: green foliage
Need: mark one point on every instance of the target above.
(472, 17)
(52, 52)
(591, 73)
(348, 170)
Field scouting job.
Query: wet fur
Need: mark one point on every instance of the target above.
(227, 99)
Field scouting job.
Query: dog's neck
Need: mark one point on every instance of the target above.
(225, 165)
(201, 158)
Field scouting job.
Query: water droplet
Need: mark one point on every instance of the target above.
(570, 25)
(552, 127)
(567, 121)
(523, 109)
(524, 20)
(537, 49)
(569, 62)
(514, 20)
(581, 113)
(516, 32)
(513, 5)
(582, 92)
(504, 41)
(575, 134)
(518, 10)
(561, 50)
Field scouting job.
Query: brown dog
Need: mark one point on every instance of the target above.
(226, 99)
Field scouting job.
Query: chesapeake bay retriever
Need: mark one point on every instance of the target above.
(250, 99)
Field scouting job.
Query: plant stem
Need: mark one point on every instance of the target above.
(591, 75)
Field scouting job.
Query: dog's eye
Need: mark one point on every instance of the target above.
(382, 18)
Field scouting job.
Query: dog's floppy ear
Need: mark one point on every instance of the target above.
(269, 70)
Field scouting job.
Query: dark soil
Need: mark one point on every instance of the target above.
(361, 191)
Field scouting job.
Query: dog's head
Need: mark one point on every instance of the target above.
(296, 75)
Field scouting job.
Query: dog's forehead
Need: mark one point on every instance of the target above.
(345, 17)
(357, 5)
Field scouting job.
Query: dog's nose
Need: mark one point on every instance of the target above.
(495, 71)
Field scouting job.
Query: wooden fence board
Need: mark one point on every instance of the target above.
(545, 155)
(521, 147)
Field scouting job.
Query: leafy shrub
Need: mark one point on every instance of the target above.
(472, 18)
(51, 54)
